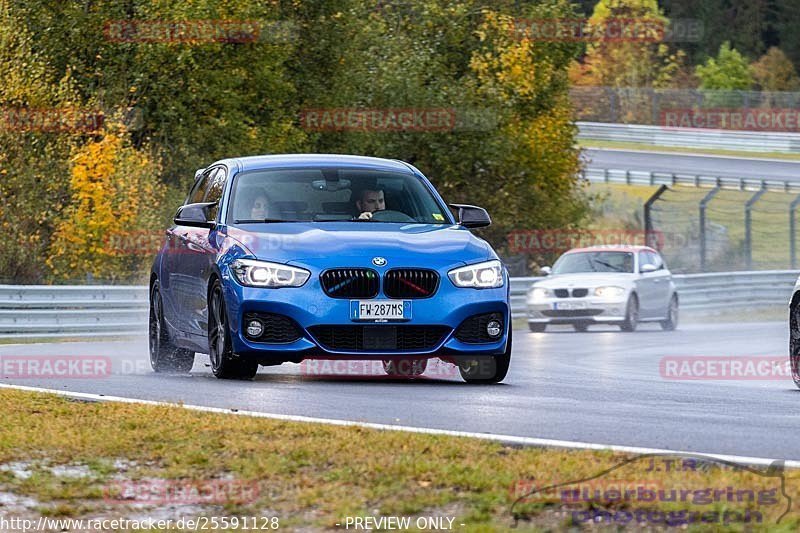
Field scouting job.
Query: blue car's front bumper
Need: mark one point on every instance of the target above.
(309, 306)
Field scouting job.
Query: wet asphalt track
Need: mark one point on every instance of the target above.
(603, 386)
(688, 164)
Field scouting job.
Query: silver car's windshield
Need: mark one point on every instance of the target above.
(573, 263)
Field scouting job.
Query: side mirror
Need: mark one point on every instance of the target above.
(647, 267)
(471, 216)
(195, 215)
(545, 270)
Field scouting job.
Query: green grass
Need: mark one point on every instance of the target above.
(594, 143)
(312, 476)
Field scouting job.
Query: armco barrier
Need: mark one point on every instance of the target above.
(72, 311)
(751, 141)
(43, 311)
(716, 291)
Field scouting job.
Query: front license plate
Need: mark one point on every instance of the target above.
(380, 310)
(569, 306)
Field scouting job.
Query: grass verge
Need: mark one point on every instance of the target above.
(593, 143)
(68, 458)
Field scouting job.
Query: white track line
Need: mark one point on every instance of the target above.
(508, 439)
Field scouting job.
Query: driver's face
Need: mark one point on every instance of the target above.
(372, 201)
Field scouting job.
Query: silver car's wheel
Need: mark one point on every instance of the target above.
(672, 315)
(631, 314)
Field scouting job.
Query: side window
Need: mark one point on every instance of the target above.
(216, 184)
(199, 189)
(655, 258)
(643, 259)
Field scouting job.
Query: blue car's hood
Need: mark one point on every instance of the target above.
(356, 243)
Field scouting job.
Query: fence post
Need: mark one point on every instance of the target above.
(748, 226)
(648, 220)
(703, 203)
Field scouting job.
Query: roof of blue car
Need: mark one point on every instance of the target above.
(315, 160)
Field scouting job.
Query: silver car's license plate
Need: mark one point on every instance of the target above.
(380, 309)
(569, 306)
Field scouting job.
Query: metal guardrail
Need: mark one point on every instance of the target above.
(715, 291)
(670, 179)
(751, 141)
(45, 311)
(37, 311)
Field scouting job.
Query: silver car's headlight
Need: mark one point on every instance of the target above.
(609, 292)
(539, 294)
(255, 273)
(487, 275)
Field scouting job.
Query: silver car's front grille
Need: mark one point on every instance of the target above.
(575, 293)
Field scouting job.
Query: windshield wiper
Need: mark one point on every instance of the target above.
(262, 221)
(612, 267)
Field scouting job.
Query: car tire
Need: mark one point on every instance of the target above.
(536, 327)
(407, 368)
(672, 315)
(631, 314)
(164, 355)
(581, 327)
(224, 364)
(794, 343)
(486, 369)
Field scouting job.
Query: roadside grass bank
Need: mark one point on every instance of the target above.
(66, 458)
(621, 145)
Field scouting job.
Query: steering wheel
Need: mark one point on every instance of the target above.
(388, 215)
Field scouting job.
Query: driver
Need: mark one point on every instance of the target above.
(369, 201)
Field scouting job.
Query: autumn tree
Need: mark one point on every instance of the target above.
(106, 231)
(728, 71)
(774, 71)
(639, 59)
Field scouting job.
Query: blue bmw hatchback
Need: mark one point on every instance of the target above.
(282, 258)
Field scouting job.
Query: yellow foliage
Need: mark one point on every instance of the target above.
(115, 193)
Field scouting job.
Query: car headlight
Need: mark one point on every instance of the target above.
(265, 274)
(485, 275)
(609, 292)
(540, 293)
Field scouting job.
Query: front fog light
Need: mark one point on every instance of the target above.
(255, 328)
(494, 328)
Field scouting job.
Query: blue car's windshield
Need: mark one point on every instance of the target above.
(578, 262)
(326, 195)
